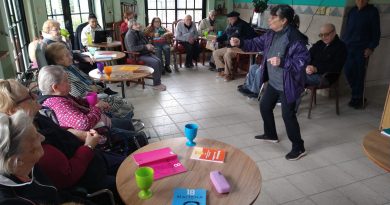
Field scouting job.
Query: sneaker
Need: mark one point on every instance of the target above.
(244, 91)
(359, 104)
(160, 87)
(108, 91)
(212, 69)
(253, 95)
(212, 65)
(168, 69)
(294, 155)
(266, 138)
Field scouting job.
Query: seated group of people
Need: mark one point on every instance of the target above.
(44, 160)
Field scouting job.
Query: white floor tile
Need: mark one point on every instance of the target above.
(282, 191)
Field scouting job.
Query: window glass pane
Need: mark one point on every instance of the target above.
(181, 14)
(84, 7)
(198, 4)
(76, 20)
(198, 15)
(74, 6)
(181, 4)
(170, 4)
(56, 6)
(161, 4)
(162, 15)
(190, 3)
(84, 18)
(151, 14)
(152, 4)
(170, 17)
(48, 7)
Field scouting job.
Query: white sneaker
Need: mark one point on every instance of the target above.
(160, 87)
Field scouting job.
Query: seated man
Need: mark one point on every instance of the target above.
(327, 55)
(187, 33)
(223, 57)
(90, 28)
(136, 41)
(251, 87)
(207, 26)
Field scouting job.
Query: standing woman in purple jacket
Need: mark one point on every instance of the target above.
(285, 59)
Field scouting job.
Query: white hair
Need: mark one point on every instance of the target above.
(48, 76)
(13, 129)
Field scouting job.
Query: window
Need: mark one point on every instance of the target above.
(172, 10)
(18, 30)
(69, 13)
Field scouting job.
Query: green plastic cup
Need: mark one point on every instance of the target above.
(144, 180)
(205, 33)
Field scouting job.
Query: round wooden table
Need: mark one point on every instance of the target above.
(106, 45)
(377, 148)
(239, 169)
(123, 73)
(106, 56)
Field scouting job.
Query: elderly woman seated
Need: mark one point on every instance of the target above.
(74, 112)
(135, 40)
(68, 160)
(80, 83)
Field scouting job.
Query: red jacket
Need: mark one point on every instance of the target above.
(64, 172)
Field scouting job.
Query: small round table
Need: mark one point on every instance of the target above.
(377, 148)
(123, 73)
(239, 169)
(106, 56)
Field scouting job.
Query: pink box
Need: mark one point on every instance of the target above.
(219, 181)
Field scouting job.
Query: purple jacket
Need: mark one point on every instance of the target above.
(294, 63)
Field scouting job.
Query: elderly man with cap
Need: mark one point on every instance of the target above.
(224, 57)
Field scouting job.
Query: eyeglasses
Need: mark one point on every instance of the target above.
(324, 35)
(31, 96)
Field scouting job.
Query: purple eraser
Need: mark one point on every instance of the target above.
(219, 181)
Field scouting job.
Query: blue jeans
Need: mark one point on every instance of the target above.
(167, 53)
(252, 81)
(355, 71)
(313, 79)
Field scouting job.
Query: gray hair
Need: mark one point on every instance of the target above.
(212, 12)
(130, 23)
(48, 76)
(13, 129)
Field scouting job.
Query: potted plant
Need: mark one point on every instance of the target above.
(260, 5)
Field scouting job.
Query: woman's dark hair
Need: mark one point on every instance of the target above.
(91, 16)
(154, 19)
(287, 12)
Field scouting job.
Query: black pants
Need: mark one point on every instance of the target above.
(192, 52)
(355, 70)
(267, 105)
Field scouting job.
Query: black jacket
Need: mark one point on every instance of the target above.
(13, 191)
(240, 29)
(328, 58)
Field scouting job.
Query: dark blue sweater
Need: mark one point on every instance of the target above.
(363, 28)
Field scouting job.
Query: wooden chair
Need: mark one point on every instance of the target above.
(333, 79)
(116, 31)
(178, 47)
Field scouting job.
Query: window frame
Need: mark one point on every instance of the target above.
(18, 31)
(168, 25)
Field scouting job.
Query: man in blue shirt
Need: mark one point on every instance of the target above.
(361, 37)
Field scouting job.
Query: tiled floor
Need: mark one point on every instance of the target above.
(335, 171)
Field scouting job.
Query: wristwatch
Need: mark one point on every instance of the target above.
(90, 147)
